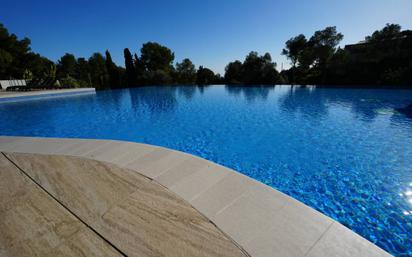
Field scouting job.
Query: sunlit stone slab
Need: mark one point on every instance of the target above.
(339, 241)
(34, 224)
(290, 232)
(138, 216)
(158, 161)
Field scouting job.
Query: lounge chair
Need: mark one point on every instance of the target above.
(4, 84)
(30, 85)
(13, 85)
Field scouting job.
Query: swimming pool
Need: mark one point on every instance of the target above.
(344, 152)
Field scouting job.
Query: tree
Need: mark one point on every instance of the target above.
(383, 59)
(255, 69)
(310, 58)
(140, 69)
(251, 68)
(36, 64)
(205, 76)
(66, 66)
(324, 43)
(156, 57)
(233, 72)
(51, 71)
(6, 59)
(82, 72)
(268, 70)
(390, 31)
(112, 72)
(294, 49)
(157, 77)
(16, 57)
(131, 75)
(98, 71)
(186, 72)
(258, 69)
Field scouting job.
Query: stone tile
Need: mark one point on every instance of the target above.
(263, 196)
(156, 162)
(194, 184)
(175, 174)
(66, 147)
(107, 151)
(152, 222)
(222, 193)
(12, 184)
(129, 210)
(243, 220)
(130, 152)
(84, 243)
(82, 148)
(339, 241)
(44, 145)
(36, 145)
(251, 213)
(89, 188)
(34, 223)
(6, 140)
(291, 233)
(18, 144)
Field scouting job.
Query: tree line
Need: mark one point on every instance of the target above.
(382, 59)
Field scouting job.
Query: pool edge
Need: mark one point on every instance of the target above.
(36, 95)
(259, 218)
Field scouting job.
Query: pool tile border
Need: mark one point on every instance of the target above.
(262, 220)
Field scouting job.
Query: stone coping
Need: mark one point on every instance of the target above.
(16, 96)
(262, 220)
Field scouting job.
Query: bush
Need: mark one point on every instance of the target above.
(69, 82)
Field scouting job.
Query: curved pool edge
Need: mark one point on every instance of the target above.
(262, 220)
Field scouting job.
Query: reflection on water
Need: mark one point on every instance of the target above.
(187, 91)
(163, 101)
(250, 93)
(307, 100)
(365, 104)
(304, 100)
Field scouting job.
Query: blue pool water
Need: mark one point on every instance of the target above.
(345, 152)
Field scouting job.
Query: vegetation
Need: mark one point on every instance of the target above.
(255, 69)
(16, 57)
(383, 59)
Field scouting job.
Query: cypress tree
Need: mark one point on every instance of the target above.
(139, 68)
(113, 72)
(131, 75)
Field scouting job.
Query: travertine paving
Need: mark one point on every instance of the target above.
(261, 220)
(136, 215)
(34, 224)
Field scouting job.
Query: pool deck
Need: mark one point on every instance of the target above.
(13, 96)
(251, 219)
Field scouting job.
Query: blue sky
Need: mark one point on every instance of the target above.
(209, 32)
